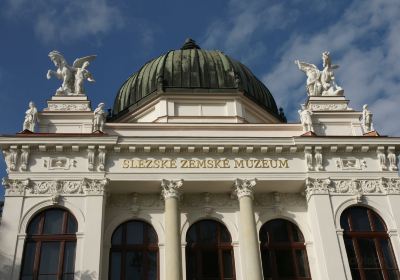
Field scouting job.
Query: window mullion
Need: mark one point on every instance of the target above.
(61, 260)
(381, 259)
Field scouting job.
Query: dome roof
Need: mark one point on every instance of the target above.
(192, 69)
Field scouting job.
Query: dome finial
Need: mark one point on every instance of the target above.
(189, 44)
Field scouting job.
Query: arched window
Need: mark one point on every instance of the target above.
(209, 253)
(49, 251)
(134, 252)
(283, 251)
(368, 246)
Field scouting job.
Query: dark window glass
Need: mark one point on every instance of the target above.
(134, 252)
(209, 253)
(53, 222)
(368, 245)
(283, 251)
(50, 246)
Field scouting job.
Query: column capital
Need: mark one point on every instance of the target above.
(244, 187)
(170, 188)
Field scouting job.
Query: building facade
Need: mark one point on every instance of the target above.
(195, 174)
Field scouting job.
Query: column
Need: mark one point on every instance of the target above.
(249, 243)
(95, 202)
(173, 258)
(330, 262)
(10, 250)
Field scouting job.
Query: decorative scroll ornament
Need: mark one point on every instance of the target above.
(11, 157)
(244, 187)
(15, 187)
(73, 76)
(95, 186)
(170, 188)
(392, 159)
(24, 157)
(382, 157)
(317, 186)
(321, 82)
(318, 159)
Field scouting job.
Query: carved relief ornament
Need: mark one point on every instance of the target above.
(171, 188)
(244, 187)
(15, 187)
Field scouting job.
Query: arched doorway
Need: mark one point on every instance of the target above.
(134, 252)
(209, 252)
(368, 245)
(283, 251)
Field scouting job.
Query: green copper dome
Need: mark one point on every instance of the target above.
(192, 70)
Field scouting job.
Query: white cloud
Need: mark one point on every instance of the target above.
(55, 20)
(365, 43)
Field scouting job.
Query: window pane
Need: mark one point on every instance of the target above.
(228, 269)
(368, 253)
(29, 259)
(47, 277)
(152, 262)
(301, 258)
(393, 275)
(70, 277)
(266, 262)
(191, 236)
(388, 254)
(284, 263)
(134, 265)
(152, 235)
(208, 232)
(69, 257)
(344, 221)
(297, 236)
(53, 221)
(49, 258)
(210, 264)
(117, 236)
(115, 272)
(278, 231)
(373, 274)
(355, 274)
(225, 235)
(27, 277)
(134, 233)
(359, 219)
(351, 255)
(33, 227)
(72, 226)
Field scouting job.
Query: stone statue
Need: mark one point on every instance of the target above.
(99, 118)
(72, 76)
(30, 118)
(306, 119)
(366, 119)
(321, 83)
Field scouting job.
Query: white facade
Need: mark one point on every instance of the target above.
(217, 147)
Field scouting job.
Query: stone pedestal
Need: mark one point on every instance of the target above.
(68, 103)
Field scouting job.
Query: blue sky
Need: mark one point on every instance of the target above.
(363, 38)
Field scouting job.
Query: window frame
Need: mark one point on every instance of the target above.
(375, 235)
(196, 248)
(292, 245)
(125, 248)
(38, 238)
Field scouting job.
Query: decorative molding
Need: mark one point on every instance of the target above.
(355, 187)
(68, 107)
(25, 151)
(318, 159)
(171, 189)
(59, 163)
(308, 157)
(91, 157)
(392, 159)
(95, 186)
(243, 188)
(11, 157)
(381, 157)
(15, 187)
(328, 107)
(102, 157)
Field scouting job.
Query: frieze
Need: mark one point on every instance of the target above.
(328, 107)
(68, 107)
(15, 187)
(358, 187)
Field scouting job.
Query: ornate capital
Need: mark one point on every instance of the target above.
(317, 186)
(244, 187)
(95, 186)
(170, 188)
(15, 187)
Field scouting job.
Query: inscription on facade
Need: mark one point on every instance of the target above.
(205, 163)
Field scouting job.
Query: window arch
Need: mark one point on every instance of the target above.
(134, 252)
(368, 246)
(49, 250)
(209, 252)
(283, 251)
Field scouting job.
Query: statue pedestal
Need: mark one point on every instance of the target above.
(328, 103)
(79, 103)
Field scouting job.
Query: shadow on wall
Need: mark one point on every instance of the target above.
(6, 270)
(5, 266)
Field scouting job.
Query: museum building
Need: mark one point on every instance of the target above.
(195, 174)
